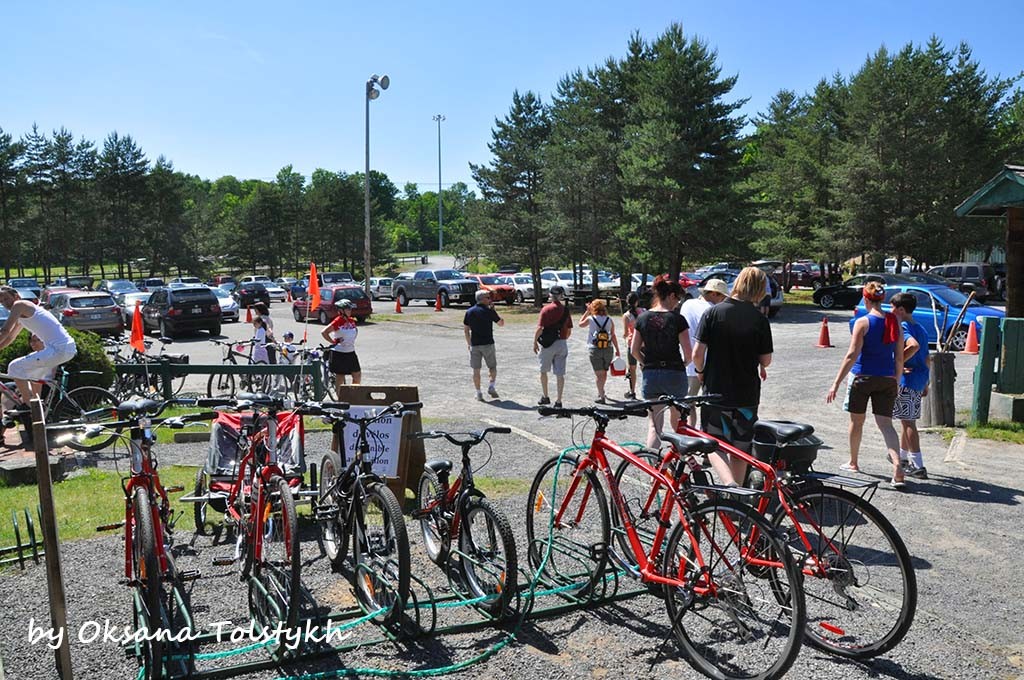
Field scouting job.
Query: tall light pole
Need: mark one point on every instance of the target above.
(371, 93)
(440, 207)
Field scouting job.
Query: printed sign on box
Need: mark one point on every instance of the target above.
(383, 438)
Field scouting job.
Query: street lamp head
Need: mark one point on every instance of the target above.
(384, 82)
(372, 92)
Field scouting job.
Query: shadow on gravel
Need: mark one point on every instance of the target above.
(509, 405)
(958, 489)
(806, 314)
(879, 667)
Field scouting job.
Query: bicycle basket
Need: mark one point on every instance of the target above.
(225, 452)
(795, 457)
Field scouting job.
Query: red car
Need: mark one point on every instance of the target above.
(329, 295)
(500, 292)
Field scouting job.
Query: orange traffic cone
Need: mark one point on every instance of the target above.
(248, 314)
(398, 306)
(437, 303)
(972, 340)
(823, 339)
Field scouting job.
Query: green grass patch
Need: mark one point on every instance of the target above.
(800, 296)
(83, 502)
(998, 430)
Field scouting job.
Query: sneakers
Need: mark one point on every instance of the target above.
(479, 396)
(601, 400)
(630, 395)
(557, 404)
(846, 467)
(543, 401)
(916, 472)
(492, 392)
(897, 484)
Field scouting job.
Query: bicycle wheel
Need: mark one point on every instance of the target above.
(221, 385)
(730, 622)
(332, 535)
(488, 560)
(146, 573)
(859, 582)
(433, 526)
(276, 603)
(87, 405)
(256, 383)
(635, 485)
(381, 554)
(578, 549)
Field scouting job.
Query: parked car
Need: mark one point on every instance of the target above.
(26, 284)
(848, 294)
(248, 294)
(27, 294)
(274, 291)
(126, 301)
(523, 284)
(336, 277)
(947, 304)
(221, 279)
(228, 305)
(605, 284)
(149, 284)
(173, 311)
(511, 268)
(499, 290)
(729, 276)
(286, 282)
(86, 311)
(1000, 279)
(47, 294)
(329, 295)
(83, 282)
(190, 280)
(978, 277)
(427, 284)
(890, 265)
(561, 277)
(380, 287)
(117, 286)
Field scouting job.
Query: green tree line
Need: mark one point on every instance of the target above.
(643, 163)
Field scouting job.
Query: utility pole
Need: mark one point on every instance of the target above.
(440, 206)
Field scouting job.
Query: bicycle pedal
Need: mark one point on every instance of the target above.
(598, 551)
(326, 513)
(419, 512)
(110, 527)
(189, 575)
(223, 561)
(174, 489)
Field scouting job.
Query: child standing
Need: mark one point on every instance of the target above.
(633, 312)
(601, 341)
(913, 384)
(259, 346)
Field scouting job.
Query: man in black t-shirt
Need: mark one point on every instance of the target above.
(734, 347)
(478, 326)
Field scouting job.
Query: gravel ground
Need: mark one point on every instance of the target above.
(960, 527)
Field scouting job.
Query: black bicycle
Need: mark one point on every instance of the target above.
(354, 504)
(460, 513)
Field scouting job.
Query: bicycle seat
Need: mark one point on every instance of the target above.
(780, 431)
(688, 445)
(440, 467)
(137, 407)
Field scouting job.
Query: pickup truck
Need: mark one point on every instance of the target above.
(427, 284)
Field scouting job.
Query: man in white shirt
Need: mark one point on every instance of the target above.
(58, 347)
(713, 292)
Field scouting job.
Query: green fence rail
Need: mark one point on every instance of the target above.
(168, 370)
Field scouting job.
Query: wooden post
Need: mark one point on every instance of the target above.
(1014, 262)
(1010, 378)
(51, 543)
(984, 372)
(939, 407)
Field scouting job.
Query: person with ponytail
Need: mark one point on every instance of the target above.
(874, 360)
(632, 313)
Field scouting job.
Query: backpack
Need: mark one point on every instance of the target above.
(602, 339)
(550, 334)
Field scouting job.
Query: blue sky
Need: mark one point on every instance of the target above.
(244, 88)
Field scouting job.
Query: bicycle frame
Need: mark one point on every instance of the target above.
(261, 473)
(597, 460)
(144, 474)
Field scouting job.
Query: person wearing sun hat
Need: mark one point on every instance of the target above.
(341, 334)
(874, 360)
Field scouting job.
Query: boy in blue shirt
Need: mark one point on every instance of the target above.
(913, 384)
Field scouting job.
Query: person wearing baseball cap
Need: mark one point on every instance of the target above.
(341, 335)
(713, 292)
(554, 326)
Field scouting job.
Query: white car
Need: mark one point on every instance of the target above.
(523, 283)
(563, 278)
(605, 283)
(274, 290)
(228, 304)
(380, 287)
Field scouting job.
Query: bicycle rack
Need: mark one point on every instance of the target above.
(21, 550)
(178, 655)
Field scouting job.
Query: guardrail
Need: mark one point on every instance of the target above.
(167, 371)
(422, 259)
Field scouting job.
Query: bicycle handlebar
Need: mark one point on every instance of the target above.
(594, 412)
(475, 437)
(678, 402)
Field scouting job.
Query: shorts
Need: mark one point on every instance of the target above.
(601, 359)
(41, 365)
(481, 354)
(630, 359)
(694, 384)
(733, 424)
(880, 390)
(908, 404)
(552, 359)
(659, 382)
(344, 363)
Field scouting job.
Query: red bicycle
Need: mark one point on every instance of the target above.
(721, 566)
(148, 526)
(857, 575)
